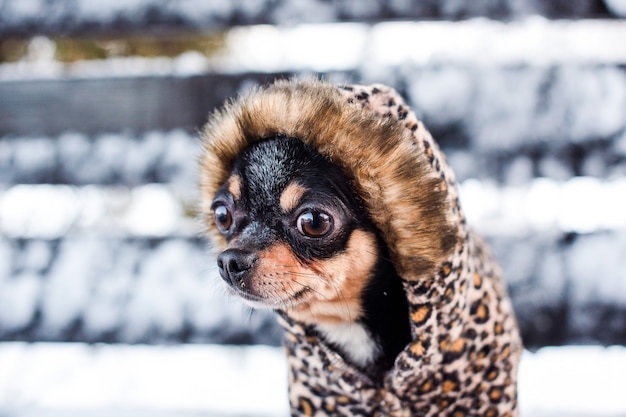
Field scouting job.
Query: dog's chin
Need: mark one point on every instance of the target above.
(274, 302)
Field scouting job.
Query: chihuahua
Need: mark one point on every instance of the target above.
(335, 207)
(300, 242)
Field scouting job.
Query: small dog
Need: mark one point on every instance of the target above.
(300, 241)
(334, 207)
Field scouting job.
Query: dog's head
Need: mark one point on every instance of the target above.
(299, 239)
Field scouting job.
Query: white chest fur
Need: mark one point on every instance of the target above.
(353, 339)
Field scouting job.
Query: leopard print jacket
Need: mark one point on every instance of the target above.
(465, 348)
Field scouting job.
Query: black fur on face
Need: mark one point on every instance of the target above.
(300, 241)
(263, 173)
(283, 195)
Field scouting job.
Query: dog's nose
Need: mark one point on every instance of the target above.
(234, 263)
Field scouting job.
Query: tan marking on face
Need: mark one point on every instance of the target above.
(234, 186)
(323, 291)
(291, 196)
(338, 297)
(278, 276)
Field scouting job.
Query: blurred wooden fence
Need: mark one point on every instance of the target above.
(557, 301)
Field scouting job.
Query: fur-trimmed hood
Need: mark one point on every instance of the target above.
(389, 159)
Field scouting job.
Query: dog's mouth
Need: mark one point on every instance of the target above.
(273, 299)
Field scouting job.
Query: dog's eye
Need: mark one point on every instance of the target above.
(223, 218)
(313, 223)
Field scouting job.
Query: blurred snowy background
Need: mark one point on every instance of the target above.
(100, 104)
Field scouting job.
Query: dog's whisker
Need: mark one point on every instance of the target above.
(342, 302)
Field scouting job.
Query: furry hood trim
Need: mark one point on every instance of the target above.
(376, 140)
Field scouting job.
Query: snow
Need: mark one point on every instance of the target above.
(360, 10)
(151, 303)
(163, 156)
(501, 121)
(40, 48)
(67, 287)
(97, 288)
(519, 172)
(154, 213)
(620, 144)
(6, 260)
(324, 47)
(592, 269)
(34, 256)
(73, 151)
(583, 205)
(554, 168)
(268, 48)
(573, 381)
(110, 288)
(554, 280)
(51, 211)
(43, 379)
(592, 102)
(541, 203)
(103, 273)
(548, 107)
(184, 65)
(19, 297)
(580, 204)
(531, 41)
(178, 160)
(132, 290)
(189, 378)
(34, 154)
(48, 212)
(444, 96)
(291, 12)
